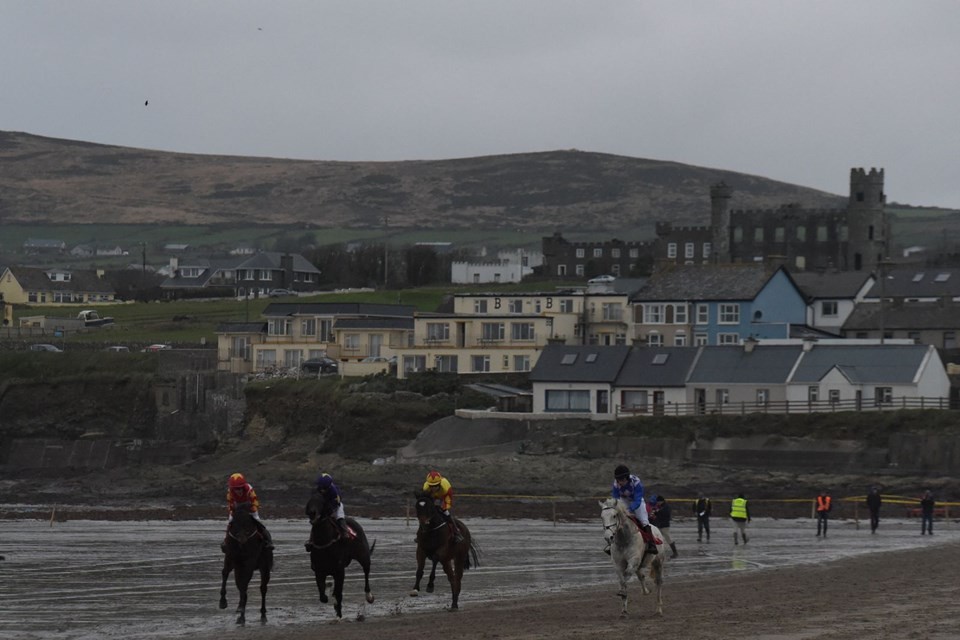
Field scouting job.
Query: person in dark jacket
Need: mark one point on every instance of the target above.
(701, 509)
(660, 518)
(927, 504)
(873, 505)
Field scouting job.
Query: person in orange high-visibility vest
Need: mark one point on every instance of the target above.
(823, 512)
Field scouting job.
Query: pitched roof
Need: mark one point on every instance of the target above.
(338, 309)
(918, 283)
(862, 364)
(575, 363)
(833, 285)
(657, 367)
(736, 365)
(35, 279)
(705, 282)
(271, 260)
(374, 323)
(906, 316)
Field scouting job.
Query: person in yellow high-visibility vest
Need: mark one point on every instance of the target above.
(823, 512)
(740, 514)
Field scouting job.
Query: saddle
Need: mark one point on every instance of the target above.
(646, 535)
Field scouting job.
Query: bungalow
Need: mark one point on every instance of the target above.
(54, 286)
(577, 379)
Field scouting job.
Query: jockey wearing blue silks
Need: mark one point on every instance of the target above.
(628, 489)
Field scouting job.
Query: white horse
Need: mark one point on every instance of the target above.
(627, 549)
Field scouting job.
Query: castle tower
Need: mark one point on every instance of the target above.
(720, 195)
(867, 220)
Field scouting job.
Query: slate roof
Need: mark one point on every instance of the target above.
(735, 365)
(374, 323)
(906, 316)
(704, 282)
(242, 327)
(81, 280)
(338, 309)
(918, 283)
(862, 364)
(833, 285)
(584, 363)
(657, 367)
(271, 260)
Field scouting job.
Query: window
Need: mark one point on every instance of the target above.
(722, 396)
(883, 395)
(700, 339)
(566, 305)
(612, 311)
(821, 233)
(515, 305)
(813, 393)
(32, 296)
(567, 400)
(308, 327)
(580, 270)
(521, 363)
(278, 327)
(537, 305)
(802, 233)
(326, 330)
(240, 347)
(758, 234)
(615, 269)
(671, 249)
(728, 338)
(438, 332)
(561, 269)
(707, 248)
(828, 308)
(654, 340)
(597, 252)
(738, 234)
(834, 396)
(680, 314)
(779, 234)
(522, 331)
(291, 358)
(446, 364)
(703, 313)
(862, 335)
(729, 313)
(763, 397)
(634, 253)
(351, 342)
(689, 250)
(679, 340)
(581, 253)
(949, 340)
(620, 338)
(844, 233)
(653, 313)
(266, 358)
(614, 253)
(479, 364)
(914, 335)
(190, 272)
(265, 274)
(479, 306)
(491, 331)
(634, 400)
(800, 262)
(413, 364)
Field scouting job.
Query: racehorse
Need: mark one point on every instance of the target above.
(331, 553)
(436, 541)
(628, 550)
(246, 552)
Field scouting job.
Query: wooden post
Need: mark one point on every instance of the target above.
(407, 521)
(553, 504)
(53, 513)
(856, 514)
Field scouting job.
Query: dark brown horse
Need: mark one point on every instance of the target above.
(437, 541)
(331, 553)
(246, 552)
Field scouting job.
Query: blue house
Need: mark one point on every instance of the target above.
(718, 304)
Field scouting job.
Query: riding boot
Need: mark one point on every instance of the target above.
(673, 548)
(344, 530)
(651, 545)
(267, 538)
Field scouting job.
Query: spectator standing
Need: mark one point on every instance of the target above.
(660, 518)
(823, 512)
(701, 508)
(740, 514)
(927, 504)
(873, 505)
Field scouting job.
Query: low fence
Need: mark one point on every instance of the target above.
(787, 406)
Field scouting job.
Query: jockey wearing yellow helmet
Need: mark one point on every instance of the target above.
(438, 488)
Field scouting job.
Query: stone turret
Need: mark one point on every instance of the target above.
(720, 195)
(867, 220)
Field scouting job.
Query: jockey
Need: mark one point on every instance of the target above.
(330, 506)
(438, 488)
(239, 491)
(628, 489)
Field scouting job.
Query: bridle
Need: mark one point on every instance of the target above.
(616, 523)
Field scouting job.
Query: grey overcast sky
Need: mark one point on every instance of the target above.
(795, 90)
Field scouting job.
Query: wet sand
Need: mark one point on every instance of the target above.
(888, 595)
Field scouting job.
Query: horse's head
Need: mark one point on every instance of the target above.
(243, 527)
(611, 515)
(426, 509)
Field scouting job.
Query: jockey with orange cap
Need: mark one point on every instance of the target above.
(438, 488)
(239, 491)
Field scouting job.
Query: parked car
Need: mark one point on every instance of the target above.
(391, 359)
(118, 348)
(46, 347)
(320, 365)
(156, 347)
(601, 279)
(277, 293)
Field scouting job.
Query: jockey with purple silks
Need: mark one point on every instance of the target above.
(628, 489)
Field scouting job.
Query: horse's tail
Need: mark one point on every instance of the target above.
(475, 553)
(373, 546)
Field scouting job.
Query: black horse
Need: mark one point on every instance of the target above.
(437, 541)
(246, 552)
(331, 553)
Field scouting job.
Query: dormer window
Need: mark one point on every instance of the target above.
(59, 276)
(190, 272)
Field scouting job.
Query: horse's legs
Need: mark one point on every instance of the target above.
(623, 575)
(421, 560)
(227, 567)
(454, 582)
(264, 580)
(365, 565)
(656, 571)
(242, 578)
(321, 578)
(338, 592)
(433, 577)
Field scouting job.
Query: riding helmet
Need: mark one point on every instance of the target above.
(621, 472)
(237, 481)
(434, 478)
(324, 481)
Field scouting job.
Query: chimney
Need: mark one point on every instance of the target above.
(750, 344)
(174, 265)
(807, 344)
(286, 265)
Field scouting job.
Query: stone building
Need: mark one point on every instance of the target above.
(579, 260)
